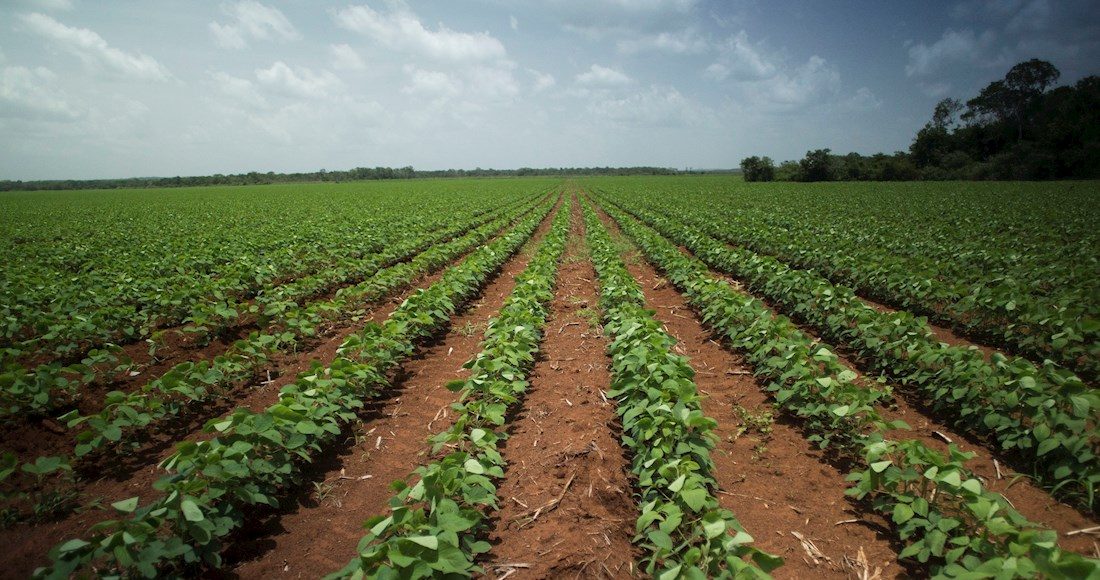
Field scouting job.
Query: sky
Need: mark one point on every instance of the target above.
(176, 87)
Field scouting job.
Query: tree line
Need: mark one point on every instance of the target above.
(356, 174)
(1018, 127)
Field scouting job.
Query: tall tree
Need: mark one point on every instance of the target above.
(1013, 98)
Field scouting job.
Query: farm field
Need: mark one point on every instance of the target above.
(671, 377)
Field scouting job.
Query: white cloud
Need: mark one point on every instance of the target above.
(91, 48)
(58, 5)
(513, 23)
(655, 106)
(598, 32)
(813, 82)
(603, 76)
(864, 99)
(400, 29)
(740, 59)
(686, 41)
(32, 93)
(492, 83)
(935, 90)
(952, 47)
(227, 35)
(471, 86)
(653, 5)
(299, 81)
(251, 20)
(433, 84)
(344, 57)
(543, 81)
(242, 91)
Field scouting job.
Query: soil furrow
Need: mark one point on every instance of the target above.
(49, 437)
(134, 474)
(316, 532)
(776, 483)
(177, 339)
(565, 502)
(1030, 500)
(1034, 503)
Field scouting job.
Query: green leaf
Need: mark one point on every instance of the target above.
(715, 528)
(671, 573)
(191, 511)
(695, 498)
(72, 545)
(902, 513)
(678, 484)
(1047, 446)
(952, 478)
(429, 542)
(880, 466)
(474, 466)
(660, 539)
(126, 506)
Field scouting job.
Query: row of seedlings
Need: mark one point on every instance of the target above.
(254, 457)
(118, 426)
(45, 387)
(436, 526)
(1045, 417)
(994, 306)
(682, 529)
(947, 521)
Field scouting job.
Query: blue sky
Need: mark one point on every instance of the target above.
(174, 87)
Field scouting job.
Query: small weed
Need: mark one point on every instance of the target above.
(591, 316)
(156, 341)
(52, 504)
(471, 328)
(323, 491)
(760, 423)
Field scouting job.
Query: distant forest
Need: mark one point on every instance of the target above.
(1018, 127)
(357, 174)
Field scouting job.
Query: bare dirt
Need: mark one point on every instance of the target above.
(113, 479)
(776, 483)
(566, 501)
(1031, 501)
(567, 505)
(317, 531)
(45, 436)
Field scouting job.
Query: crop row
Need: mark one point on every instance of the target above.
(683, 530)
(1045, 416)
(124, 417)
(1038, 299)
(436, 526)
(939, 509)
(125, 414)
(73, 293)
(254, 456)
(283, 323)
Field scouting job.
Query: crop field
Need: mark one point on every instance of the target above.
(668, 377)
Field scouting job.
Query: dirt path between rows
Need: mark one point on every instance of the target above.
(317, 531)
(774, 482)
(563, 453)
(134, 474)
(46, 436)
(1031, 501)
